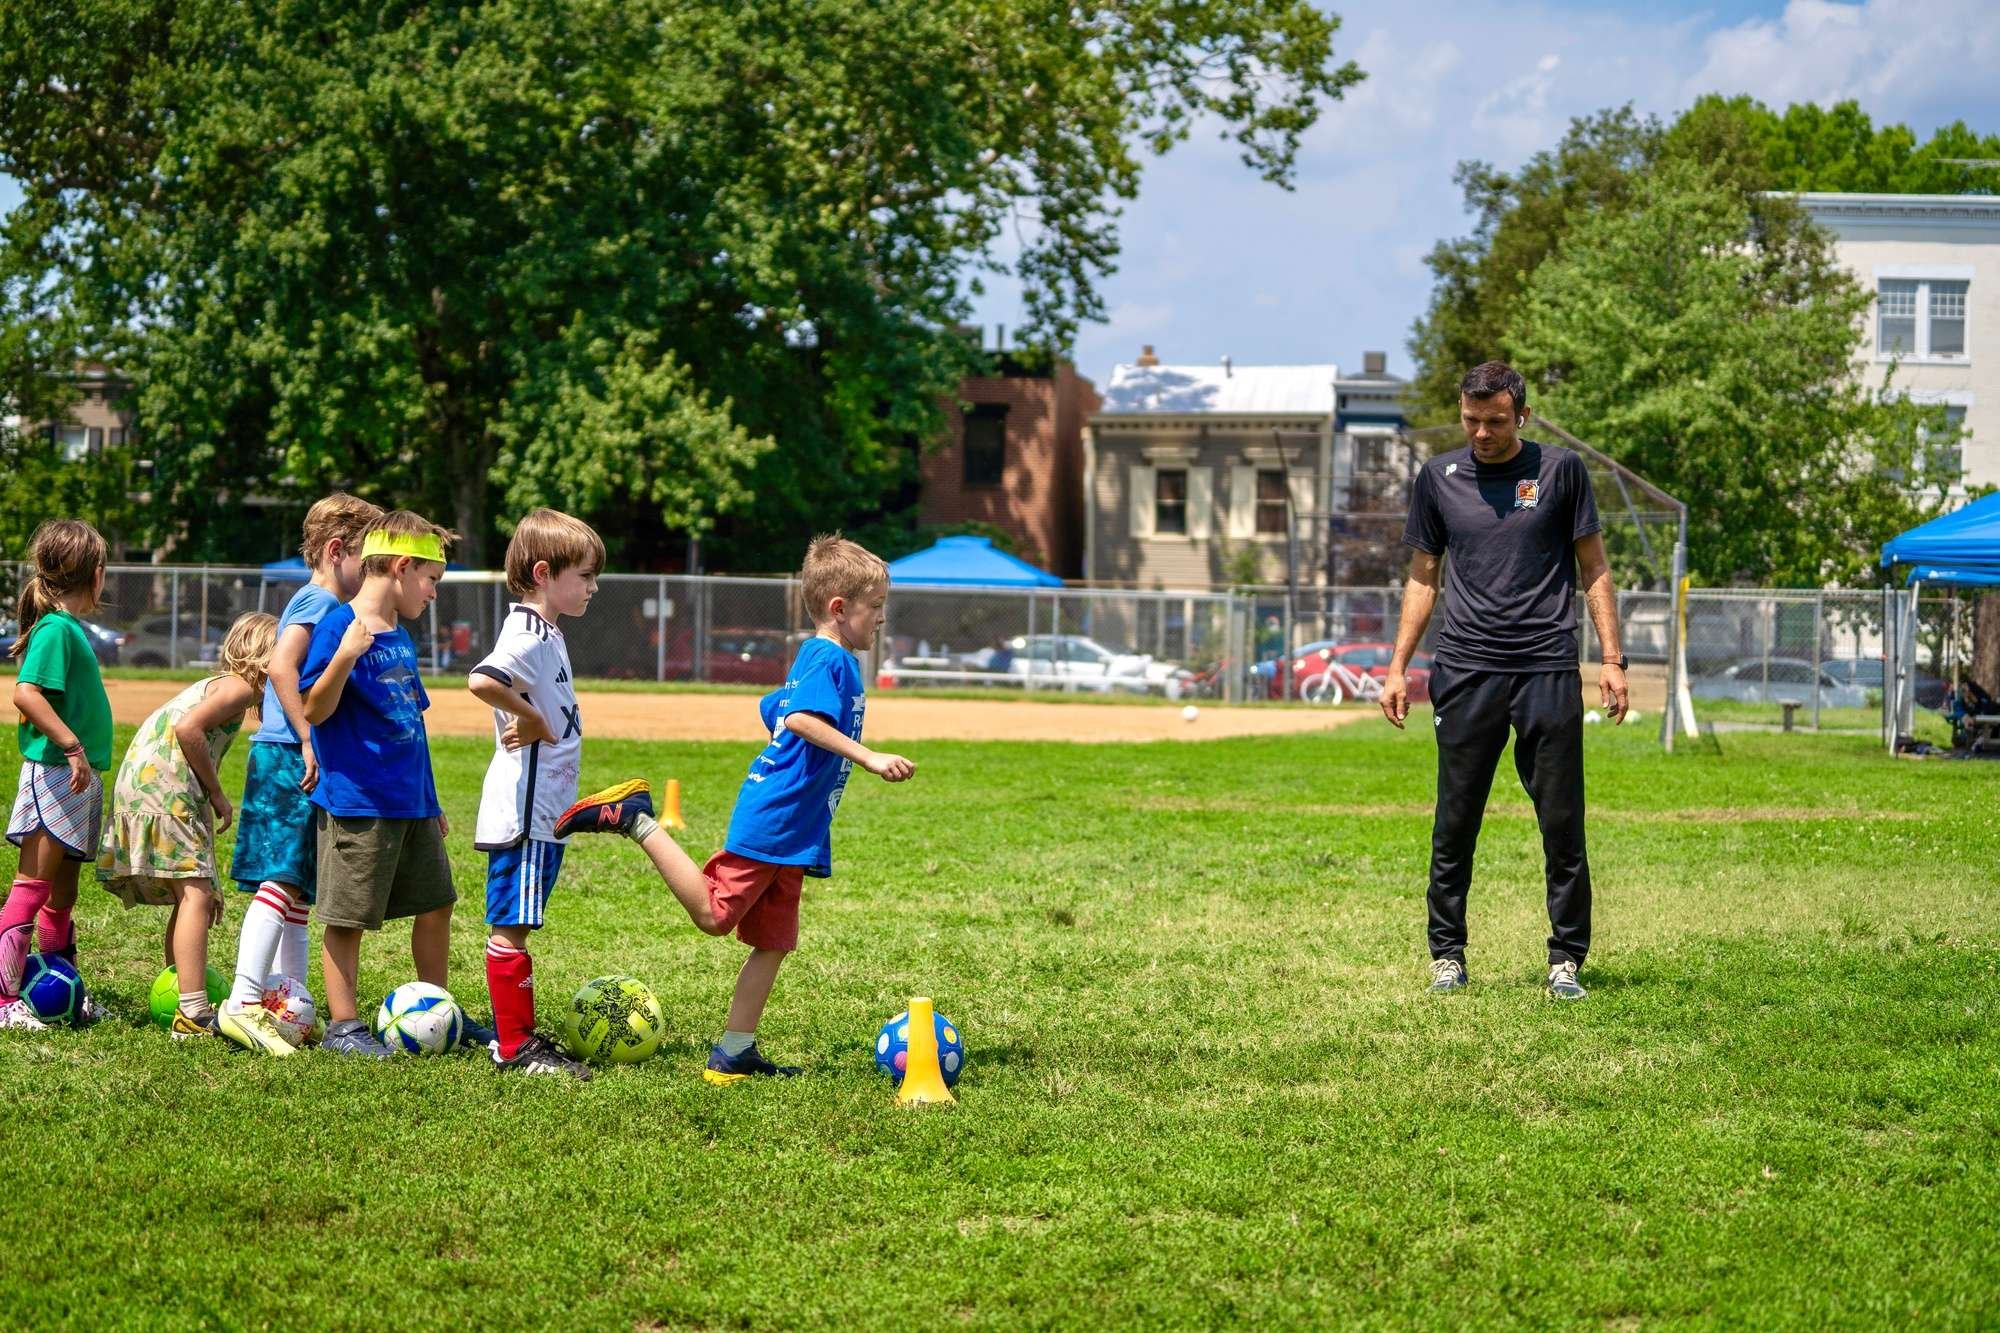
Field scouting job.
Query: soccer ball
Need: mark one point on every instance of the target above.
(614, 1018)
(418, 1018)
(52, 988)
(892, 1048)
(166, 996)
(291, 1008)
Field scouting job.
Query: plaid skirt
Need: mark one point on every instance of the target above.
(45, 804)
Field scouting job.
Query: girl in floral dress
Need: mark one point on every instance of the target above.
(168, 805)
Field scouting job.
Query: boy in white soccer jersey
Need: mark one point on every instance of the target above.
(552, 567)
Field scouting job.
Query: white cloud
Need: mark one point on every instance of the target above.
(1207, 242)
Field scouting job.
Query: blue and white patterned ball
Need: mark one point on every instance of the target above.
(52, 988)
(892, 1047)
(418, 1018)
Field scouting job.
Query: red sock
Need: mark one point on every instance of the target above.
(510, 980)
(56, 932)
(17, 918)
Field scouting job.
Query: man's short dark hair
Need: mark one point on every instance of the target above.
(1493, 379)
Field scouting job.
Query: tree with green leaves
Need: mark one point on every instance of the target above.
(657, 263)
(1713, 351)
(1521, 217)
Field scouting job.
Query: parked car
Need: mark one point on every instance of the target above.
(1076, 662)
(1779, 680)
(151, 641)
(733, 656)
(1867, 673)
(104, 640)
(1314, 660)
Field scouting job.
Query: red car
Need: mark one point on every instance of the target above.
(1314, 673)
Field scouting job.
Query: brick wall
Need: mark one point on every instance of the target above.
(1039, 500)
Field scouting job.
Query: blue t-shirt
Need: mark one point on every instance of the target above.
(784, 814)
(374, 758)
(309, 606)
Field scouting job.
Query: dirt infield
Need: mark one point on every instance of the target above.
(891, 717)
(894, 716)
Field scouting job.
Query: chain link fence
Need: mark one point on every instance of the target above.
(1754, 657)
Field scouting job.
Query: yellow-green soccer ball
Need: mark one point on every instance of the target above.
(613, 1018)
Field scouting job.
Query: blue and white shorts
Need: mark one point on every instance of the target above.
(518, 880)
(44, 804)
(276, 837)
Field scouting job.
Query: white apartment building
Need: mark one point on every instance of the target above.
(1933, 263)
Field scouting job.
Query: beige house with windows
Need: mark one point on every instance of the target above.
(1933, 263)
(1189, 467)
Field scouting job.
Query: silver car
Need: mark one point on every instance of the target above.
(1779, 680)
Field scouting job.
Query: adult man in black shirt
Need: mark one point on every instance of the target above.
(1519, 523)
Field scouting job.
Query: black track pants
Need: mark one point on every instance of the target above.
(1474, 710)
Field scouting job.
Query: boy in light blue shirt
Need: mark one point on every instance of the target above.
(783, 825)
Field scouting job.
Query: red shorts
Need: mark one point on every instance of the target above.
(758, 900)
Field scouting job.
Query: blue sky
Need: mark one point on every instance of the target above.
(1218, 263)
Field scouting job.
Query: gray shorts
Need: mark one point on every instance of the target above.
(373, 869)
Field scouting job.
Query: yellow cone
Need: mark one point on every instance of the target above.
(923, 1081)
(671, 816)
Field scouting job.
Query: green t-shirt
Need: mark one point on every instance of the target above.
(60, 661)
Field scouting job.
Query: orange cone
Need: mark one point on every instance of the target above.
(670, 817)
(923, 1080)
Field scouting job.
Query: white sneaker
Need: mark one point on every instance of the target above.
(17, 1014)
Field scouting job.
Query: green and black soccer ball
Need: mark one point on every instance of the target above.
(613, 1019)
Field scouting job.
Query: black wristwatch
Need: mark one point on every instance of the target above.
(1621, 663)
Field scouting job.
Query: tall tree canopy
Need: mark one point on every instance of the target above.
(651, 260)
(1669, 310)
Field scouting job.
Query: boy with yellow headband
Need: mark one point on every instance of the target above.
(380, 829)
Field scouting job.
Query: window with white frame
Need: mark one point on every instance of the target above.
(1920, 317)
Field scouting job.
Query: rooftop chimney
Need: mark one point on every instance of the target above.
(1146, 357)
(1374, 363)
(1227, 369)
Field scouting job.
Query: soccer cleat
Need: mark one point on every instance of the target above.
(1447, 974)
(352, 1037)
(17, 1014)
(539, 1055)
(609, 811)
(186, 1026)
(724, 1069)
(472, 1036)
(1562, 982)
(253, 1029)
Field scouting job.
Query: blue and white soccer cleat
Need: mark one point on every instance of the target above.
(724, 1069)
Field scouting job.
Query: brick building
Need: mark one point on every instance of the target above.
(1013, 457)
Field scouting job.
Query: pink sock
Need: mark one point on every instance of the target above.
(17, 918)
(55, 932)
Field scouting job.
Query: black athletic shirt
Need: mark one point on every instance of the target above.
(1510, 530)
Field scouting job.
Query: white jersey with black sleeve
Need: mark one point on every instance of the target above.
(528, 789)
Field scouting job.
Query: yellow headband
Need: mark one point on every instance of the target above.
(420, 545)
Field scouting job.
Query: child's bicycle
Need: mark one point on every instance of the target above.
(1339, 683)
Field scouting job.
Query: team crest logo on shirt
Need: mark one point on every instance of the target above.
(1527, 494)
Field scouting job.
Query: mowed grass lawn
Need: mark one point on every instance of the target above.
(1205, 1086)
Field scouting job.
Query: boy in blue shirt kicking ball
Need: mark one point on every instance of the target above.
(782, 828)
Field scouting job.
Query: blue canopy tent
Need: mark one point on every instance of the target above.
(1968, 537)
(1959, 549)
(968, 562)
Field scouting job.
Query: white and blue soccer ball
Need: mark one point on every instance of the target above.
(892, 1048)
(418, 1018)
(52, 988)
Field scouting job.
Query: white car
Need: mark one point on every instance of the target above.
(1072, 661)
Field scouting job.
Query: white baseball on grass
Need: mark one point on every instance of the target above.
(1593, 716)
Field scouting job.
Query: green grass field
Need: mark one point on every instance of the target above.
(1205, 1087)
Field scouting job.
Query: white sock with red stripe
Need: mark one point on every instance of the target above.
(293, 960)
(263, 925)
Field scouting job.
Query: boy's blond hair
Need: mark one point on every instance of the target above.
(246, 649)
(551, 535)
(339, 515)
(837, 567)
(402, 523)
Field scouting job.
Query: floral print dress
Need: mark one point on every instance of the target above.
(160, 828)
